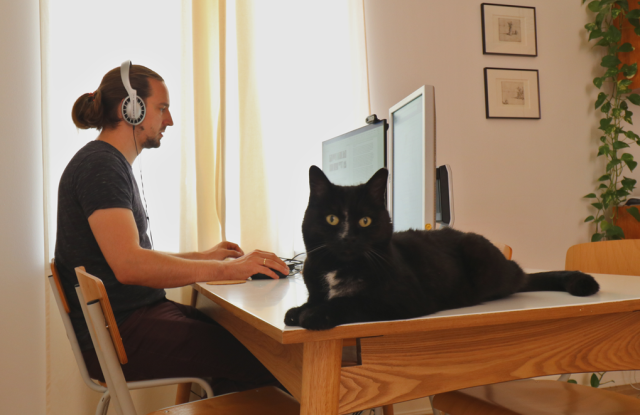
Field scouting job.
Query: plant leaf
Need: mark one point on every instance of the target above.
(633, 14)
(613, 163)
(610, 61)
(604, 177)
(613, 34)
(605, 226)
(602, 150)
(614, 233)
(606, 107)
(624, 4)
(626, 47)
(597, 205)
(628, 159)
(603, 186)
(596, 237)
(594, 6)
(617, 145)
(630, 70)
(591, 196)
(628, 183)
(631, 135)
(590, 218)
(598, 83)
(622, 193)
(633, 211)
(590, 26)
(595, 34)
(605, 123)
(601, 98)
(634, 98)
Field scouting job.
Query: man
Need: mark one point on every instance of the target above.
(102, 226)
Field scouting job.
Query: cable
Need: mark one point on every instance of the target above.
(144, 197)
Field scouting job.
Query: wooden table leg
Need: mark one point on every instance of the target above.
(321, 377)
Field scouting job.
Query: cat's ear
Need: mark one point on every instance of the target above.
(319, 185)
(377, 184)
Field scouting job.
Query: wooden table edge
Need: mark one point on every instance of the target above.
(253, 320)
(425, 324)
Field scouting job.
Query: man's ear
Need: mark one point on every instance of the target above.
(377, 185)
(319, 185)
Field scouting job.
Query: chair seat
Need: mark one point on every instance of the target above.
(536, 397)
(264, 401)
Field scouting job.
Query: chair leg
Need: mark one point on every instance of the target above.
(183, 394)
(387, 409)
(435, 411)
(103, 405)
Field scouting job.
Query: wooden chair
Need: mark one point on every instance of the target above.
(111, 354)
(606, 257)
(103, 404)
(538, 397)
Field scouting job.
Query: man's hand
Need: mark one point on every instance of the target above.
(256, 262)
(223, 250)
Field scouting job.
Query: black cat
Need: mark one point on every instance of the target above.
(357, 269)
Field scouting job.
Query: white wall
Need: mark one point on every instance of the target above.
(22, 342)
(519, 182)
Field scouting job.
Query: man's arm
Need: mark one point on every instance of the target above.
(116, 233)
(221, 251)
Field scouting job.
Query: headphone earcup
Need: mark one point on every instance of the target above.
(133, 114)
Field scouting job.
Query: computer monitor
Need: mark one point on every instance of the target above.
(412, 161)
(352, 158)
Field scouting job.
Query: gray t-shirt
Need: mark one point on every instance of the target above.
(97, 177)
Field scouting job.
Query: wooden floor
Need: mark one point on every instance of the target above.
(623, 389)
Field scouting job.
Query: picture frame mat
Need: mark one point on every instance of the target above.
(503, 94)
(495, 39)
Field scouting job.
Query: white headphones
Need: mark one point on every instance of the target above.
(133, 109)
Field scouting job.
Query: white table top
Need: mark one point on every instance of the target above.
(267, 301)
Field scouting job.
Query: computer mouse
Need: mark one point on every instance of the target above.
(261, 276)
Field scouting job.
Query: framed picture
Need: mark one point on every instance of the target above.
(512, 93)
(509, 30)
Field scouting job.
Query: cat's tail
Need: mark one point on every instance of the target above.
(574, 282)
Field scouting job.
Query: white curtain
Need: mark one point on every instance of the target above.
(301, 79)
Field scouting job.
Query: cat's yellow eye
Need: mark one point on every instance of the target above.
(332, 220)
(364, 222)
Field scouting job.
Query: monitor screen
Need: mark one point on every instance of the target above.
(354, 157)
(412, 186)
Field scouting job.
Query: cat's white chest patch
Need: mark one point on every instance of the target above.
(337, 288)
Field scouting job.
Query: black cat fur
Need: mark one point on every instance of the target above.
(376, 274)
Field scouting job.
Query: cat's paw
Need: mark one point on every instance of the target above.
(580, 284)
(316, 319)
(291, 318)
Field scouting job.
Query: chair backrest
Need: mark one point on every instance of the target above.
(63, 308)
(605, 257)
(106, 338)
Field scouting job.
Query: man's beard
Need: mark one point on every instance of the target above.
(150, 142)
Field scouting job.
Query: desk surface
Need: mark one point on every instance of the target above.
(263, 304)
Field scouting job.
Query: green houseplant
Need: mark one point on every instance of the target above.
(613, 186)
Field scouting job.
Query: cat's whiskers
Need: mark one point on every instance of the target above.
(317, 248)
(373, 251)
(374, 257)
